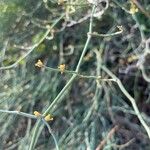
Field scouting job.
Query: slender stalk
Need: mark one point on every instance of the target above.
(79, 75)
(34, 46)
(130, 98)
(87, 41)
(50, 131)
(77, 68)
(105, 35)
(74, 73)
(62, 92)
(145, 76)
(18, 113)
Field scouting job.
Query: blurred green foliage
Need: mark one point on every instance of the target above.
(84, 117)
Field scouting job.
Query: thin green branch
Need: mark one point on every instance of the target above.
(130, 98)
(62, 92)
(87, 41)
(79, 75)
(19, 113)
(34, 46)
(145, 76)
(105, 35)
(51, 132)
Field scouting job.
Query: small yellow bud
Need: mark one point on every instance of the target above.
(133, 8)
(39, 64)
(37, 114)
(62, 68)
(48, 118)
(132, 58)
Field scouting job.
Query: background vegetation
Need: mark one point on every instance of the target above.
(98, 110)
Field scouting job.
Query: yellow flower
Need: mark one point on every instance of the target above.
(62, 68)
(37, 114)
(39, 64)
(132, 58)
(48, 118)
(133, 8)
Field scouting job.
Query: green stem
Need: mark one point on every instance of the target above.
(131, 99)
(97, 77)
(62, 92)
(50, 131)
(19, 113)
(105, 35)
(34, 46)
(74, 73)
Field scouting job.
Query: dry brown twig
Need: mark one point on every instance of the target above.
(109, 136)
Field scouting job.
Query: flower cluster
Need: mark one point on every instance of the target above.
(47, 117)
(62, 68)
(39, 64)
(36, 113)
(133, 8)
